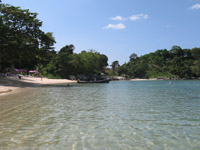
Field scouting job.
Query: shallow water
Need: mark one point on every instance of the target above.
(119, 115)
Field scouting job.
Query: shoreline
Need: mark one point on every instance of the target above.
(5, 91)
(9, 85)
(137, 79)
(155, 79)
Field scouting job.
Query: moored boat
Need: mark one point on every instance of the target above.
(97, 81)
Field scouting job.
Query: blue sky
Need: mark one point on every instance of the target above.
(119, 28)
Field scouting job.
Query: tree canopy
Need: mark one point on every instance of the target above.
(177, 62)
(67, 63)
(22, 43)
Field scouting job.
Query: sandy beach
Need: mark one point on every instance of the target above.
(137, 79)
(9, 85)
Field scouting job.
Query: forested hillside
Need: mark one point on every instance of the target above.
(177, 62)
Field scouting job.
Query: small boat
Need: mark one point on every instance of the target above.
(97, 81)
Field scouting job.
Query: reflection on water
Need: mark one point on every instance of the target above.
(118, 115)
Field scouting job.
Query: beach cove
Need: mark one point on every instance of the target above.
(120, 115)
(9, 85)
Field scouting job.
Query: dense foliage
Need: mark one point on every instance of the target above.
(177, 62)
(24, 45)
(67, 63)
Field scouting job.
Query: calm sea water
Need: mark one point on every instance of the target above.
(119, 115)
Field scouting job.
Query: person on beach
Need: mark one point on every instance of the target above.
(19, 76)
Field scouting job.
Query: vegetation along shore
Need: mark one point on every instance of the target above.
(25, 46)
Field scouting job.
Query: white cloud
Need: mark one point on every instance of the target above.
(196, 6)
(138, 16)
(118, 18)
(115, 26)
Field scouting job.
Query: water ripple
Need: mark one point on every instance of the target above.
(119, 115)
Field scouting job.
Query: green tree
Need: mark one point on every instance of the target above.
(68, 49)
(60, 64)
(177, 62)
(115, 65)
(133, 57)
(67, 63)
(103, 62)
(21, 39)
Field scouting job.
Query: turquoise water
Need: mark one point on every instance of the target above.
(119, 115)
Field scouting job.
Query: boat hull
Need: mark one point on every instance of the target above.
(98, 81)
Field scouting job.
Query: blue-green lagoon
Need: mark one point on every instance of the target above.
(119, 115)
